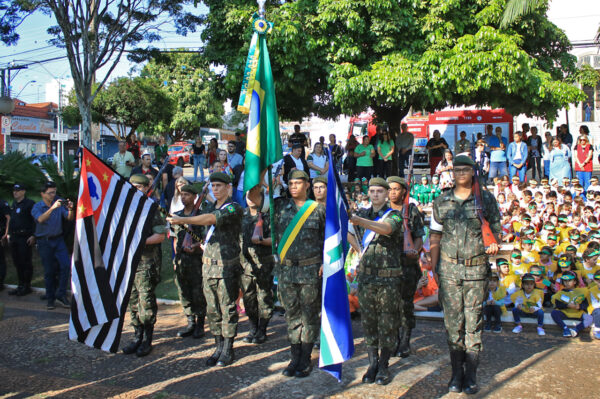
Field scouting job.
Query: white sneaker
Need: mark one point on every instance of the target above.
(518, 329)
(541, 331)
(573, 332)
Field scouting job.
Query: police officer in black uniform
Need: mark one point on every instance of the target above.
(21, 239)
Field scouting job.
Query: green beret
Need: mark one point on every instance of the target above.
(399, 180)
(298, 174)
(139, 179)
(188, 188)
(379, 181)
(220, 177)
(463, 160)
(320, 179)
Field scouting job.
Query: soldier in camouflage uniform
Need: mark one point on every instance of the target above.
(256, 280)
(188, 269)
(379, 278)
(462, 269)
(320, 189)
(221, 265)
(142, 302)
(410, 261)
(299, 273)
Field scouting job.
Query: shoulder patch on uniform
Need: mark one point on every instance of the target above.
(396, 218)
(230, 208)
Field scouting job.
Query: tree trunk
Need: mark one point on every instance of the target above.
(86, 123)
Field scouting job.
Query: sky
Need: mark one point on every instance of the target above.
(579, 18)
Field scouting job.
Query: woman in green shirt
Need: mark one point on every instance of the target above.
(364, 154)
(385, 149)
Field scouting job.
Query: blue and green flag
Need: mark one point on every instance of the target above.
(263, 145)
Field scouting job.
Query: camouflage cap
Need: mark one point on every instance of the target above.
(298, 175)
(188, 188)
(220, 177)
(139, 179)
(463, 160)
(320, 179)
(380, 182)
(397, 179)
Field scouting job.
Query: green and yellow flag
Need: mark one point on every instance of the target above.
(263, 144)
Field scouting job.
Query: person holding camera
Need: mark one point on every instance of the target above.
(49, 215)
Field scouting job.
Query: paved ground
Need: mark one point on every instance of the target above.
(37, 360)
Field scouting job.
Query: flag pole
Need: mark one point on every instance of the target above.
(272, 213)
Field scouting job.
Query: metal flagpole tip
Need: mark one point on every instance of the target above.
(261, 7)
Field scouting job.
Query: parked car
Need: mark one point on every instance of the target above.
(179, 153)
(38, 159)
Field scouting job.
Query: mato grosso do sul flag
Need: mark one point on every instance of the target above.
(337, 344)
(263, 144)
(112, 218)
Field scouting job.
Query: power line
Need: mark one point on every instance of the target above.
(26, 51)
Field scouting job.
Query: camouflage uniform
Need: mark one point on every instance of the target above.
(142, 302)
(463, 286)
(221, 268)
(299, 286)
(380, 280)
(410, 269)
(256, 280)
(188, 273)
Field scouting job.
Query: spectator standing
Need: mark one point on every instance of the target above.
(534, 145)
(584, 161)
(525, 130)
(482, 159)
(337, 152)
(317, 161)
(351, 157)
(436, 146)
(145, 168)
(161, 150)
(559, 161)
(497, 145)
(240, 145)
(123, 161)
(21, 239)
(364, 158)
(213, 151)
(199, 153)
(445, 170)
(233, 158)
(463, 145)
(50, 214)
(4, 224)
(546, 150)
(294, 160)
(489, 135)
(298, 138)
(404, 144)
(170, 188)
(385, 151)
(517, 156)
(565, 136)
(133, 146)
(587, 110)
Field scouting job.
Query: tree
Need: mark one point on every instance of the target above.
(191, 87)
(515, 9)
(96, 33)
(391, 55)
(12, 15)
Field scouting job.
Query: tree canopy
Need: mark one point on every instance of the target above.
(190, 86)
(392, 55)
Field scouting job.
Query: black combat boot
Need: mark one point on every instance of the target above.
(212, 360)
(252, 332)
(198, 328)
(383, 374)
(305, 366)
(457, 359)
(132, 347)
(189, 329)
(400, 334)
(227, 355)
(470, 381)
(296, 351)
(371, 373)
(261, 332)
(404, 346)
(146, 346)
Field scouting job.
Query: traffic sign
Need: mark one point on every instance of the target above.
(6, 125)
(59, 136)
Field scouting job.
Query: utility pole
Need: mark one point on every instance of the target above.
(59, 127)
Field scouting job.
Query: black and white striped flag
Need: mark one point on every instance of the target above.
(112, 217)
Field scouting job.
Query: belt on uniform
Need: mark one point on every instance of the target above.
(371, 271)
(216, 262)
(474, 261)
(304, 262)
(48, 238)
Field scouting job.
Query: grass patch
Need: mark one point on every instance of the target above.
(165, 289)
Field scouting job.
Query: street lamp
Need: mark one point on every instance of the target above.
(24, 86)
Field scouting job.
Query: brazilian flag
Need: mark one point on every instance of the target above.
(263, 144)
